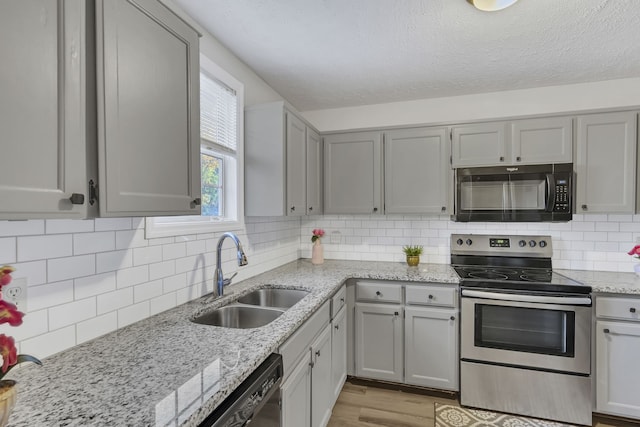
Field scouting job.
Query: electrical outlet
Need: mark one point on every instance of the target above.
(16, 293)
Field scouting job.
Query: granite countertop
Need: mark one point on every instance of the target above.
(606, 281)
(168, 371)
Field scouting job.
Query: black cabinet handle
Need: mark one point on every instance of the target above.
(337, 327)
(378, 293)
(518, 159)
(196, 202)
(584, 207)
(430, 296)
(310, 208)
(341, 299)
(452, 318)
(606, 331)
(375, 209)
(632, 310)
(318, 353)
(502, 158)
(396, 313)
(444, 208)
(77, 199)
(293, 208)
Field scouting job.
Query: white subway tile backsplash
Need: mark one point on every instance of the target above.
(35, 272)
(49, 295)
(174, 250)
(21, 228)
(58, 226)
(85, 243)
(114, 260)
(71, 313)
(34, 323)
(49, 343)
(147, 255)
(173, 283)
(86, 287)
(147, 291)
(8, 253)
(130, 239)
(132, 276)
(112, 224)
(162, 269)
(44, 247)
(162, 303)
(133, 313)
(69, 268)
(96, 326)
(114, 300)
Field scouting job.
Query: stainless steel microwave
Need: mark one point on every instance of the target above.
(514, 193)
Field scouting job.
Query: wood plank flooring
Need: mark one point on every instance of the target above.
(369, 406)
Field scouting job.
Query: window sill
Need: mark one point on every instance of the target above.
(155, 227)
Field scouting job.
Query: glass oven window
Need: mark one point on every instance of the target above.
(527, 330)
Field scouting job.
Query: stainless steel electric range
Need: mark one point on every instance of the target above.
(525, 333)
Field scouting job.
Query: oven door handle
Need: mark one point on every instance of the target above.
(527, 298)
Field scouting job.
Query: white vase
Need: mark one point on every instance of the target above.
(317, 253)
(636, 268)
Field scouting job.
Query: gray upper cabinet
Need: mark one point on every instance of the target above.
(282, 162)
(481, 144)
(90, 126)
(353, 173)
(417, 174)
(148, 80)
(518, 142)
(46, 109)
(606, 163)
(539, 141)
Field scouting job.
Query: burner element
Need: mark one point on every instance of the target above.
(488, 275)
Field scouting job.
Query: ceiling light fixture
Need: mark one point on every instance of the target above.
(491, 5)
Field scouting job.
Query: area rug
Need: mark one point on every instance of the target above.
(454, 416)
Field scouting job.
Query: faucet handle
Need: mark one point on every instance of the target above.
(226, 282)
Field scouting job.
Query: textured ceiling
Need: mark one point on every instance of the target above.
(334, 53)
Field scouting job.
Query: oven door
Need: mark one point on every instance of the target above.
(540, 332)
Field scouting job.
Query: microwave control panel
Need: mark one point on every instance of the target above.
(562, 203)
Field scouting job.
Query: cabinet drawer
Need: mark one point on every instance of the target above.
(379, 292)
(432, 295)
(338, 301)
(618, 308)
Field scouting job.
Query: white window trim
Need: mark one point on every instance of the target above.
(194, 224)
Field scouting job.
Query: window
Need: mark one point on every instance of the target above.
(221, 153)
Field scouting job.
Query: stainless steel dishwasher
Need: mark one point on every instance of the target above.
(256, 402)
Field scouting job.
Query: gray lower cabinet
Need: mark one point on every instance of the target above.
(353, 173)
(71, 62)
(338, 353)
(379, 341)
(411, 340)
(283, 162)
(606, 148)
(417, 176)
(307, 391)
(617, 336)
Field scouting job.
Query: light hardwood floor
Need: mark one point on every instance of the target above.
(369, 406)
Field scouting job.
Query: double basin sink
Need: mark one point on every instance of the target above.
(255, 309)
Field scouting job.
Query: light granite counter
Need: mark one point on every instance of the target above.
(168, 371)
(606, 281)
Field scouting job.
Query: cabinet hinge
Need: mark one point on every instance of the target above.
(450, 134)
(450, 159)
(93, 192)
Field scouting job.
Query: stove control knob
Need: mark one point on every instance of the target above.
(459, 242)
(522, 243)
(532, 243)
(469, 242)
(543, 243)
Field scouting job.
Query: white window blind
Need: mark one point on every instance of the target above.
(218, 113)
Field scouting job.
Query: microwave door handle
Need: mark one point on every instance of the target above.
(551, 190)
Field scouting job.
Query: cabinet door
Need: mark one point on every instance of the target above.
(379, 341)
(296, 396)
(338, 353)
(314, 173)
(617, 373)
(44, 109)
(353, 173)
(148, 110)
(479, 145)
(296, 166)
(416, 171)
(605, 163)
(431, 348)
(321, 387)
(538, 141)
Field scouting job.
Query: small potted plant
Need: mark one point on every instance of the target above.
(413, 254)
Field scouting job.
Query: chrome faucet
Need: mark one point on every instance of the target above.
(218, 279)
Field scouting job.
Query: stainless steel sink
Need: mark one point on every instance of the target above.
(238, 316)
(274, 297)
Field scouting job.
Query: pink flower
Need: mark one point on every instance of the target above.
(317, 233)
(9, 314)
(8, 352)
(635, 251)
(5, 275)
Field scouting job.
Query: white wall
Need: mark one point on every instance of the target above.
(588, 242)
(485, 106)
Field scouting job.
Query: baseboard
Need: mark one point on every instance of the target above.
(387, 385)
